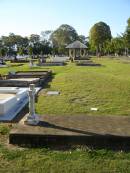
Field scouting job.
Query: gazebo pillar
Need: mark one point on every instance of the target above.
(74, 54)
(82, 52)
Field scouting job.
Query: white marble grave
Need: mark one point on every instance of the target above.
(12, 101)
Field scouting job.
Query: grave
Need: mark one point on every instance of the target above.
(52, 64)
(67, 130)
(85, 58)
(112, 132)
(54, 61)
(19, 61)
(86, 63)
(12, 101)
(60, 58)
(24, 79)
(30, 73)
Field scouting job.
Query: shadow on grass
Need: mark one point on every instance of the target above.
(47, 81)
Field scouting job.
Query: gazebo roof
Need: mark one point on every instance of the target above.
(76, 45)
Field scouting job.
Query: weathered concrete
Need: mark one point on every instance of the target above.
(52, 64)
(86, 63)
(24, 79)
(94, 131)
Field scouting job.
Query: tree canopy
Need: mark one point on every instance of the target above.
(63, 36)
(100, 40)
(99, 34)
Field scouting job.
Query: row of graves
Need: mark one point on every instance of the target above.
(42, 60)
(77, 53)
(18, 89)
(14, 89)
(53, 61)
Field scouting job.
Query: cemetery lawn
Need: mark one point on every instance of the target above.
(106, 88)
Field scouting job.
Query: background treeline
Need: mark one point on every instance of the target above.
(99, 42)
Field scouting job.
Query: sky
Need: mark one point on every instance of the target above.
(25, 17)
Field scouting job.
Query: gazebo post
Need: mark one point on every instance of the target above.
(74, 54)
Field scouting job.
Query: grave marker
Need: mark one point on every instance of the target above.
(32, 118)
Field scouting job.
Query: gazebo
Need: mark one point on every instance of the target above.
(77, 49)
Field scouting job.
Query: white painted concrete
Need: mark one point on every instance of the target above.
(25, 79)
(12, 101)
(53, 93)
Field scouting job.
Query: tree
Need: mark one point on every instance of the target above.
(13, 41)
(117, 45)
(21, 51)
(83, 39)
(126, 36)
(99, 34)
(63, 36)
(30, 51)
(34, 38)
(3, 52)
(107, 47)
(45, 35)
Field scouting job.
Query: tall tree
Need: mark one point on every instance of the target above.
(34, 38)
(63, 36)
(127, 37)
(45, 35)
(117, 45)
(99, 34)
(3, 52)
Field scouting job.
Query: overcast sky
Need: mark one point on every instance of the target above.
(27, 17)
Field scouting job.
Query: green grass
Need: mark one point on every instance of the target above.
(106, 87)
(76, 161)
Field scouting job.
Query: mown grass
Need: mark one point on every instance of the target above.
(106, 87)
(75, 161)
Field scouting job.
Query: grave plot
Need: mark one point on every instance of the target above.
(86, 63)
(24, 79)
(55, 61)
(85, 58)
(67, 130)
(19, 61)
(12, 101)
(52, 64)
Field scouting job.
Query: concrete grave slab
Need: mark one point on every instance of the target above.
(112, 132)
(24, 79)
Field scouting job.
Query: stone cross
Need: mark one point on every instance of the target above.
(32, 118)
